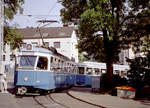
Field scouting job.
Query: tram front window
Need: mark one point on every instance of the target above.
(27, 61)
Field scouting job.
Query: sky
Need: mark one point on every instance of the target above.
(35, 10)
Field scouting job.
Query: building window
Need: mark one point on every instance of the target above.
(37, 35)
(11, 46)
(4, 48)
(46, 44)
(4, 58)
(45, 34)
(73, 59)
(56, 44)
(12, 57)
(35, 43)
(24, 45)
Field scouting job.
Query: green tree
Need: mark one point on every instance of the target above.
(107, 26)
(139, 72)
(12, 7)
(13, 37)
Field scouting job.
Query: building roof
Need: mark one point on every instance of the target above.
(47, 32)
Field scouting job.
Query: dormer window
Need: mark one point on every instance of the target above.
(45, 34)
(37, 35)
(56, 44)
(46, 44)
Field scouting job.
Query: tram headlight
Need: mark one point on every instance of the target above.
(25, 78)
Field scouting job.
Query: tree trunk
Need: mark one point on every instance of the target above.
(109, 60)
(109, 66)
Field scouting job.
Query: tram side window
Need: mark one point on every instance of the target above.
(97, 71)
(89, 71)
(42, 63)
(51, 60)
(81, 70)
(117, 72)
(59, 64)
(103, 71)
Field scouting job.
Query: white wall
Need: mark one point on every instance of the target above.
(127, 53)
(67, 45)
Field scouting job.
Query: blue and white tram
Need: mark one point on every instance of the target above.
(43, 69)
(89, 69)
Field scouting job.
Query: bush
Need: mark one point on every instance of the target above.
(116, 81)
(139, 73)
(143, 92)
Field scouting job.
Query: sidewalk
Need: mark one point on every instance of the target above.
(108, 101)
(7, 100)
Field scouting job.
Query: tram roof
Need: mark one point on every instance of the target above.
(92, 64)
(36, 50)
(40, 49)
(103, 65)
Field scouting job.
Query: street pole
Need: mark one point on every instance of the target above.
(1, 34)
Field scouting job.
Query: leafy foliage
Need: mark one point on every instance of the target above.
(117, 81)
(11, 7)
(72, 10)
(140, 71)
(13, 37)
(82, 58)
(107, 26)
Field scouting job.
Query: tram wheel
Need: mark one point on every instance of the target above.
(53, 90)
(48, 91)
(21, 90)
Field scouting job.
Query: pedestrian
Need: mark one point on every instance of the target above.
(3, 82)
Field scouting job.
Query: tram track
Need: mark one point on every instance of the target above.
(38, 102)
(66, 92)
(61, 99)
(81, 100)
(50, 102)
(50, 97)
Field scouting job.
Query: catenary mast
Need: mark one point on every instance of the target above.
(1, 34)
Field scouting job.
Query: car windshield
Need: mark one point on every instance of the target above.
(27, 61)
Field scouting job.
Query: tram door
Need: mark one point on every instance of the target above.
(42, 75)
(80, 79)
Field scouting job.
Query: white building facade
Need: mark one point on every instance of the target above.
(62, 38)
(124, 54)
